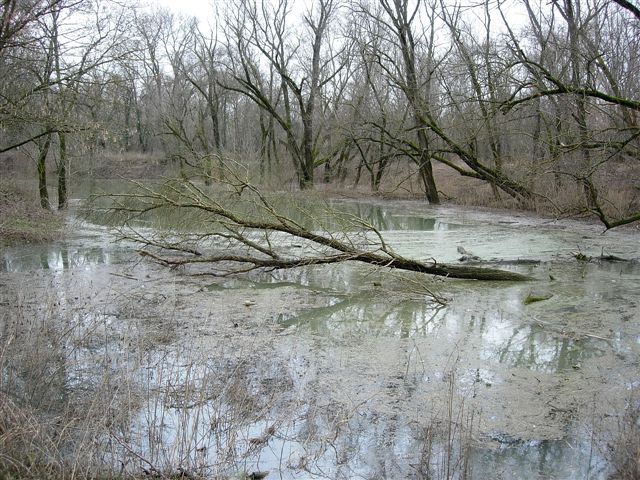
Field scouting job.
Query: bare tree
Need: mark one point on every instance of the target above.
(259, 33)
(481, 63)
(415, 73)
(380, 115)
(48, 68)
(207, 84)
(399, 18)
(585, 78)
(17, 17)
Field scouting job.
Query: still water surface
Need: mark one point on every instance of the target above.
(343, 371)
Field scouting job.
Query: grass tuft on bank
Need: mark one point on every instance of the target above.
(22, 220)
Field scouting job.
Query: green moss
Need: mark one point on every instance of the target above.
(533, 298)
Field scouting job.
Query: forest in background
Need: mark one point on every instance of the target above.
(528, 103)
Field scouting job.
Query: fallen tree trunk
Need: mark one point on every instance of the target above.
(442, 270)
(246, 232)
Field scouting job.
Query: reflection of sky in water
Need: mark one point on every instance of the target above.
(203, 421)
(53, 258)
(198, 415)
(544, 336)
(547, 459)
(381, 218)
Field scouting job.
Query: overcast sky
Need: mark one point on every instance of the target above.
(201, 9)
(204, 9)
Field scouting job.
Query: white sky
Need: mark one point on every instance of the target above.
(202, 9)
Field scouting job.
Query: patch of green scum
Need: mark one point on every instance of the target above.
(310, 213)
(581, 257)
(533, 298)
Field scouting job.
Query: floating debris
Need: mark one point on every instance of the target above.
(534, 297)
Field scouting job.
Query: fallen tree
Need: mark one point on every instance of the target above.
(240, 229)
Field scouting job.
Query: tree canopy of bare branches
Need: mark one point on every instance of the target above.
(544, 110)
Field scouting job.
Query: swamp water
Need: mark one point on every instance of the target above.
(343, 371)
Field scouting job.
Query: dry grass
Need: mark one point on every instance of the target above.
(27, 448)
(448, 437)
(83, 395)
(624, 451)
(71, 390)
(132, 165)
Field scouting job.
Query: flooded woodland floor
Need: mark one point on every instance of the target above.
(343, 371)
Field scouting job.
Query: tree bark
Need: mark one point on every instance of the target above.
(62, 172)
(42, 172)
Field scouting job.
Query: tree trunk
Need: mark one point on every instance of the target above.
(572, 18)
(419, 104)
(264, 145)
(42, 172)
(426, 170)
(62, 172)
(329, 247)
(327, 171)
(141, 130)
